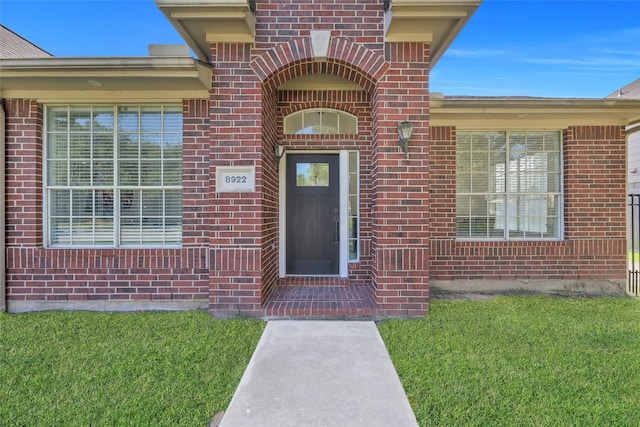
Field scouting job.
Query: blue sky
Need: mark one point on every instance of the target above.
(567, 49)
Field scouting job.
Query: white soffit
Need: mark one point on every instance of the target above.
(437, 22)
(202, 22)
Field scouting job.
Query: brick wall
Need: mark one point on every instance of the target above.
(23, 173)
(595, 182)
(279, 21)
(283, 52)
(230, 252)
(594, 247)
(106, 275)
(270, 196)
(229, 258)
(196, 200)
(400, 235)
(236, 235)
(38, 277)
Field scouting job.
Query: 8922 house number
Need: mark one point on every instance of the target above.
(235, 178)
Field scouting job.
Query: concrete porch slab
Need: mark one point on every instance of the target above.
(320, 373)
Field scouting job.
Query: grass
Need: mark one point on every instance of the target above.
(99, 369)
(507, 361)
(515, 361)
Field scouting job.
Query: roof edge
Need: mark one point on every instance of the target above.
(27, 42)
(524, 112)
(76, 63)
(147, 77)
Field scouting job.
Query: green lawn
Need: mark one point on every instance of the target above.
(515, 361)
(507, 361)
(99, 369)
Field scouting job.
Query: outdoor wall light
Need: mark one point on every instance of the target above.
(405, 129)
(279, 150)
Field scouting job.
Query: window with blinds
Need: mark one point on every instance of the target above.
(509, 185)
(113, 176)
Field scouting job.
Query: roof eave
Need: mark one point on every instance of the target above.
(104, 78)
(437, 22)
(512, 112)
(202, 22)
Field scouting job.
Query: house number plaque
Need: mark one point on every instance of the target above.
(235, 179)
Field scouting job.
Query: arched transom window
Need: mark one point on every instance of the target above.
(320, 121)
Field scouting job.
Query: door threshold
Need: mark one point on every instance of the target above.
(311, 276)
(301, 280)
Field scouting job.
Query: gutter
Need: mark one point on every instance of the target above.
(108, 64)
(3, 251)
(633, 127)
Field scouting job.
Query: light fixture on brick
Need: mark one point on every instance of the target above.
(279, 150)
(405, 129)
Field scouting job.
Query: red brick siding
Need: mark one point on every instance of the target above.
(271, 192)
(283, 52)
(400, 234)
(408, 291)
(280, 21)
(230, 253)
(23, 147)
(594, 247)
(38, 274)
(442, 183)
(233, 234)
(236, 235)
(294, 59)
(595, 182)
(196, 200)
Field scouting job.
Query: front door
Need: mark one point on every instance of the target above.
(313, 212)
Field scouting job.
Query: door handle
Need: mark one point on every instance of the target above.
(336, 220)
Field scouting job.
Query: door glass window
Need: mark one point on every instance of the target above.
(312, 175)
(354, 206)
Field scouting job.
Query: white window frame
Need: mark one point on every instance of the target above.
(307, 128)
(507, 216)
(115, 187)
(353, 195)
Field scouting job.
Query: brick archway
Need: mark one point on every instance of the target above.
(285, 62)
(295, 58)
(395, 80)
(351, 102)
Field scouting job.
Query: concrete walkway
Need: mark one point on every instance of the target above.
(319, 373)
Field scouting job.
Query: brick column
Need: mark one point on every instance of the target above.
(24, 173)
(400, 232)
(236, 219)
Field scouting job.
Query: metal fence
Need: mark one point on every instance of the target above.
(633, 284)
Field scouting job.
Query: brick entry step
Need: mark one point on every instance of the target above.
(320, 297)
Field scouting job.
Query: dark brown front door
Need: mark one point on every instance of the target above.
(312, 214)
